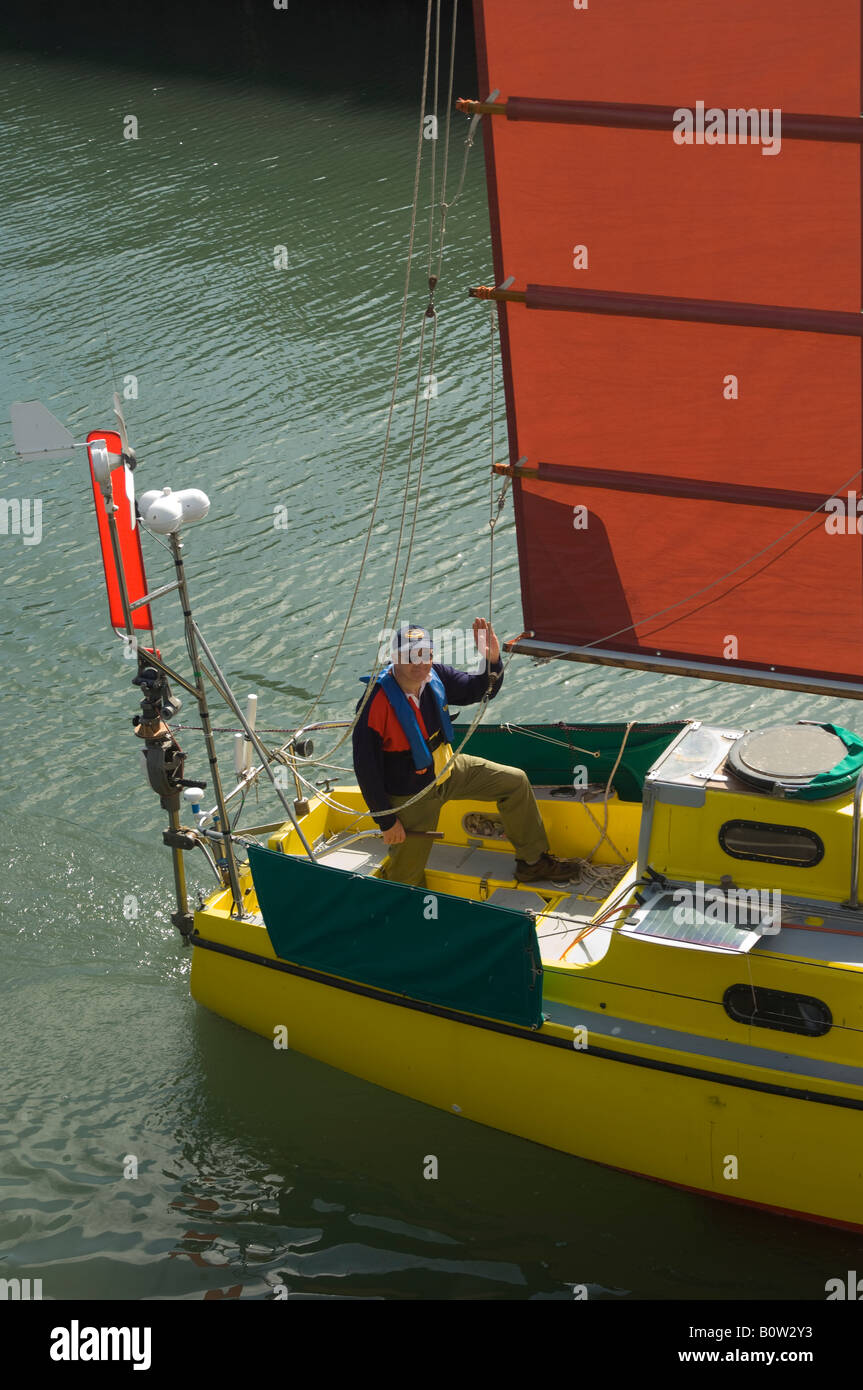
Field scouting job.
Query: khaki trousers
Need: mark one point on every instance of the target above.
(471, 779)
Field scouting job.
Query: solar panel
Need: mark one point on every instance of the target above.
(729, 924)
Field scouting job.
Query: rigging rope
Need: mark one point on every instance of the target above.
(604, 835)
(544, 738)
(493, 511)
(434, 134)
(429, 313)
(393, 394)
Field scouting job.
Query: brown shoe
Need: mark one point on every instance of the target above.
(549, 868)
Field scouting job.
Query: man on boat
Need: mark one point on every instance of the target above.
(402, 746)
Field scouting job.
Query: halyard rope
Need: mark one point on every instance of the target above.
(429, 312)
(604, 835)
(393, 394)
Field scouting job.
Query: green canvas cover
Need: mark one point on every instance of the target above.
(554, 762)
(841, 777)
(473, 956)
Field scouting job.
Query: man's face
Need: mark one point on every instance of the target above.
(416, 668)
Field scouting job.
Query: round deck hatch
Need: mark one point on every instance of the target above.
(786, 756)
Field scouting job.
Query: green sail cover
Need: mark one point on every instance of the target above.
(474, 957)
(841, 777)
(549, 752)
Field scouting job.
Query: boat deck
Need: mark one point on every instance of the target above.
(461, 869)
(818, 932)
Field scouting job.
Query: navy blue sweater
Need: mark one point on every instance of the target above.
(382, 758)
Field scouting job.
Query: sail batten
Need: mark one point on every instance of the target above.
(681, 340)
(682, 310)
(629, 116)
(663, 485)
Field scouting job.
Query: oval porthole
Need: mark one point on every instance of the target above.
(771, 844)
(774, 1008)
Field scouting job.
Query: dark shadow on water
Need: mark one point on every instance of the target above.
(371, 51)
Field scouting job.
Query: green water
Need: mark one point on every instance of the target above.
(268, 388)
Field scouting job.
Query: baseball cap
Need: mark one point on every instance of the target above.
(411, 643)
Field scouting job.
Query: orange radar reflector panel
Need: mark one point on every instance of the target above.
(129, 533)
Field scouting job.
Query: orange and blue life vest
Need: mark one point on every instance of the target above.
(407, 715)
(401, 746)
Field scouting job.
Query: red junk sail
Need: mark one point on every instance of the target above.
(675, 191)
(130, 541)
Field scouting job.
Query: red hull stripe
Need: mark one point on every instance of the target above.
(742, 1201)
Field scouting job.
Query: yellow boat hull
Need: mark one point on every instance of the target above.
(639, 1065)
(638, 1109)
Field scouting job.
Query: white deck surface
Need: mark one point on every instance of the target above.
(556, 933)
